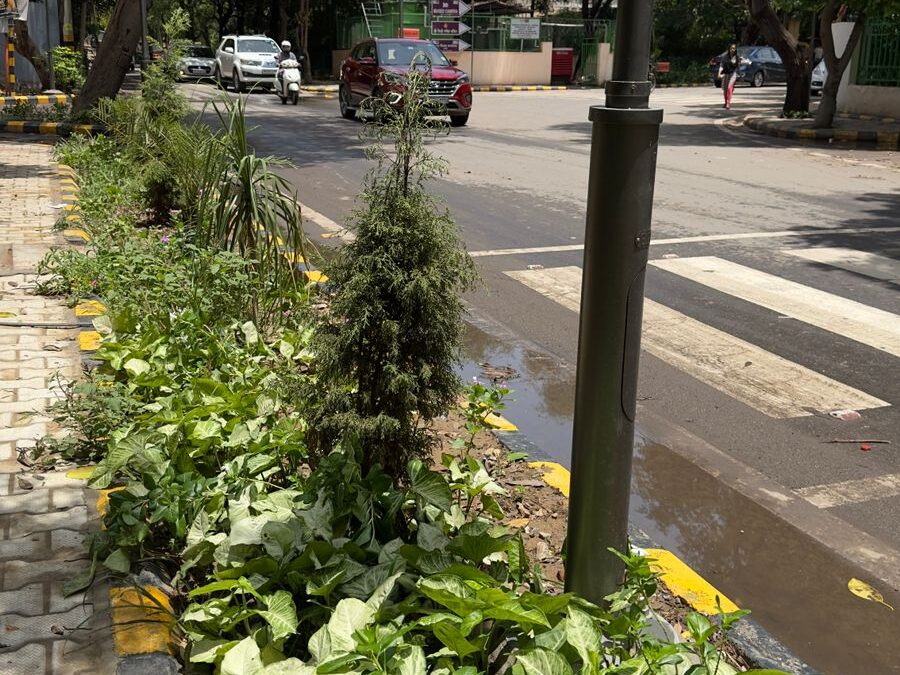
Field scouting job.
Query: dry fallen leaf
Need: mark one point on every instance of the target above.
(866, 592)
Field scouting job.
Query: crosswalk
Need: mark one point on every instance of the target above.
(757, 377)
(749, 373)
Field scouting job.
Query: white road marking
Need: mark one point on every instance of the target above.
(762, 380)
(525, 251)
(852, 491)
(860, 262)
(867, 325)
(325, 222)
(775, 234)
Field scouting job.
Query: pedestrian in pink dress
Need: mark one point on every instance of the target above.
(728, 67)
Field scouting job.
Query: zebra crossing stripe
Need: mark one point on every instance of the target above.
(852, 491)
(764, 381)
(852, 260)
(867, 325)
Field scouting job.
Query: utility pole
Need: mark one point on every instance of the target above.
(617, 236)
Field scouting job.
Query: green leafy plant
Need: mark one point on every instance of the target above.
(68, 69)
(481, 402)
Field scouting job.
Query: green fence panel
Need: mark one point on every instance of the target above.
(879, 62)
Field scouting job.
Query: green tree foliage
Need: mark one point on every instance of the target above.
(68, 69)
(696, 28)
(389, 348)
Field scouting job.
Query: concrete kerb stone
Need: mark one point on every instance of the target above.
(779, 129)
(524, 87)
(40, 99)
(752, 639)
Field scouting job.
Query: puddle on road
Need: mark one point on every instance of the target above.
(796, 588)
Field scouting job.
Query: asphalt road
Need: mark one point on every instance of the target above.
(772, 304)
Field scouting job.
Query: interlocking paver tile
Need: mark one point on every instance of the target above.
(44, 517)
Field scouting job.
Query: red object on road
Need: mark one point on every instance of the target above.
(865, 448)
(563, 63)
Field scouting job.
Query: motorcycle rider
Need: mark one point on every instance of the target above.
(284, 55)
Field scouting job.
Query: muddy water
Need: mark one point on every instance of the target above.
(795, 587)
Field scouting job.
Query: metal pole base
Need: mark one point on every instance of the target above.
(617, 237)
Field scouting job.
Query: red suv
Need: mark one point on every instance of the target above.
(378, 65)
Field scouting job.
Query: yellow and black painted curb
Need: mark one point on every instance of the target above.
(663, 85)
(515, 87)
(678, 577)
(39, 99)
(50, 128)
(885, 140)
(142, 617)
(869, 118)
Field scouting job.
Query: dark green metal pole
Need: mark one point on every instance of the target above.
(617, 236)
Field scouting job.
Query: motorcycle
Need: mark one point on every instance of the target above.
(288, 83)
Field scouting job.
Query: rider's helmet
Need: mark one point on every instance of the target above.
(286, 46)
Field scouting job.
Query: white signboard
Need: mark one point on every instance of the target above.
(525, 29)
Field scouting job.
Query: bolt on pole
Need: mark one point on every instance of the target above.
(617, 236)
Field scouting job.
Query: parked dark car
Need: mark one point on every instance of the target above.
(376, 66)
(759, 66)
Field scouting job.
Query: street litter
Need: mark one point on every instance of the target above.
(845, 415)
(535, 267)
(859, 440)
(866, 592)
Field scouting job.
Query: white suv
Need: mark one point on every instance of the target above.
(247, 61)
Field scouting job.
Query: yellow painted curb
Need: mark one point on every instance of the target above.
(293, 256)
(81, 473)
(47, 128)
(15, 126)
(141, 624)
(316, 277)
(500, 423)
(687, 584)
(76, 233)
(89, 340)
(555, 475)
(70, 197)
(103, 500)
(90, 308)
(71, 207)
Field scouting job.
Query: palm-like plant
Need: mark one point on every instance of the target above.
(244, 206)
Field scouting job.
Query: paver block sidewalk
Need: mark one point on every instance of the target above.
(44, 517)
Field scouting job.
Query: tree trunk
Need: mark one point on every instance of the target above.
(113, 56)
(304, 16)
(794, 57)
(26, 48)
(836, 66)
